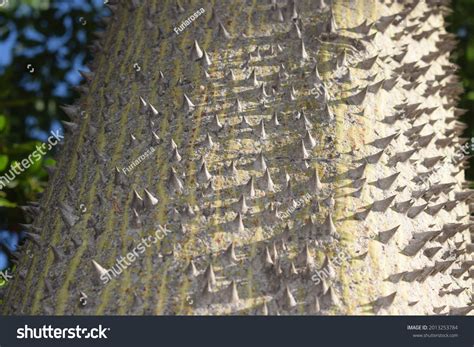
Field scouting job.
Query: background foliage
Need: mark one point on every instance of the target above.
(462, 24)
(43, 44)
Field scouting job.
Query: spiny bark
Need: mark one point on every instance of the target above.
(330, 114)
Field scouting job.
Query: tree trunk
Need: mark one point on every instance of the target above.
(298, 158)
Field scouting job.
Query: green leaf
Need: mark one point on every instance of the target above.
(470, 53)
(49, 161)
(3, 162)
(470, 95)
(3, 122)
(3, 282)
(5, 203)
(36, 166)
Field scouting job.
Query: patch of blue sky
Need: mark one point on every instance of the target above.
(6, 47)
(10, 241)
(4, 262)
(34, 132)
(32, 34)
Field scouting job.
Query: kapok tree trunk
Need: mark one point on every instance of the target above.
(291, 158)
